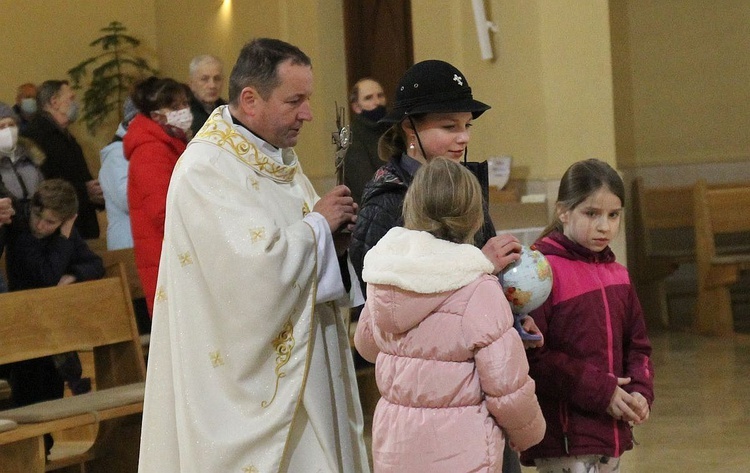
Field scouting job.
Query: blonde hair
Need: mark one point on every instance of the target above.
(444, 199)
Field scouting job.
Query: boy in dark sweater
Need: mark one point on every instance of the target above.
(44, 249)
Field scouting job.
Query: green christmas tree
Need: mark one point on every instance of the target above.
(113, 72)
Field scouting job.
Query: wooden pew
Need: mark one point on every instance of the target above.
(127, 258)
(718, 211)
(97, 316)
(660, 214)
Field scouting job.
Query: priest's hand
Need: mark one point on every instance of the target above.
(338, 208)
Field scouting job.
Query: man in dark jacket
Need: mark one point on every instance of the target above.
(206, 81)
(49, 129)
(367, 101)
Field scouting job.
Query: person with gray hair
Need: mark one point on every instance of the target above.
(250, 367)
(206, 81)
(49, 129)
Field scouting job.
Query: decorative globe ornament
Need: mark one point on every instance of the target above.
(526, 283)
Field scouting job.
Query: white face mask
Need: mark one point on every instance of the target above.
(8, 139)
(181, 119)
(28, 105)
(73, 111)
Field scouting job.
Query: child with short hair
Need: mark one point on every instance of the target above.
(450, 367)
(594, 373)
(45, 249)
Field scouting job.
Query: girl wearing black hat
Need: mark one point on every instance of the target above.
(432, 117)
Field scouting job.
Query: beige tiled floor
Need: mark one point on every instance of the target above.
(701, 418)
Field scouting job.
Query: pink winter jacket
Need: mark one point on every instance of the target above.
(450, 368)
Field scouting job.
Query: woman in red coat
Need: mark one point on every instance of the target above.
(156, 138)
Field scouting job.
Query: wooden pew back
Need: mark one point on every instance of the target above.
(719, 211)
(126, 256)
(92, 315)
(96, 316)
(662, 219)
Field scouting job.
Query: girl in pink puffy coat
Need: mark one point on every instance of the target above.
(450, 368)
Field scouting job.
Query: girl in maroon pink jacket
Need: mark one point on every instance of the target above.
(594, 375)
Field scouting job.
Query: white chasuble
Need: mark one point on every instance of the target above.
(249, 368)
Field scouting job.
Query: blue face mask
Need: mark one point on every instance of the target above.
(28, 106)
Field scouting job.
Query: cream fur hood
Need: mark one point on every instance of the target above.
(417, 261)
(448, 363)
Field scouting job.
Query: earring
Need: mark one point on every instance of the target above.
(412, 146)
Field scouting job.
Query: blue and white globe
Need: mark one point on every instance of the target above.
(527, 282)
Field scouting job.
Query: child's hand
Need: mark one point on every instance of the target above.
(502, 250)
(66, 279)
(640, 407)
(67, 226)
(619, 405)
(530, 326)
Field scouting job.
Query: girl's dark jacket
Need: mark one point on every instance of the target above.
(382, 201)
(594, 332)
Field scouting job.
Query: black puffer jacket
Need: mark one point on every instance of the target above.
(382, 202)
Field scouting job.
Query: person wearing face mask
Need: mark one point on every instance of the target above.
(367, 101)
(156, 138)
(25, 106)
(49, 129)
(432, 116)
(20, 160)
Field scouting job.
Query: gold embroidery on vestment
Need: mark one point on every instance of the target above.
(161, 295)
(216, 359)
(255, 183)
(257, 234)
(185, 259)
(283, 345)
(250, 469)
(216, 130)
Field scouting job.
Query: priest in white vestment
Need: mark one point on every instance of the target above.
(249, 368)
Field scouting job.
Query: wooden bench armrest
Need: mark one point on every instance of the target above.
(26, 431)
(95, 402)
(7, 424)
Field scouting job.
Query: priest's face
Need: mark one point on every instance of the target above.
(280, 117)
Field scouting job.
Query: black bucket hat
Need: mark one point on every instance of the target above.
(433, 86)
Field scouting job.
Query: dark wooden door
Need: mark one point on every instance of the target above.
(378, 41)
